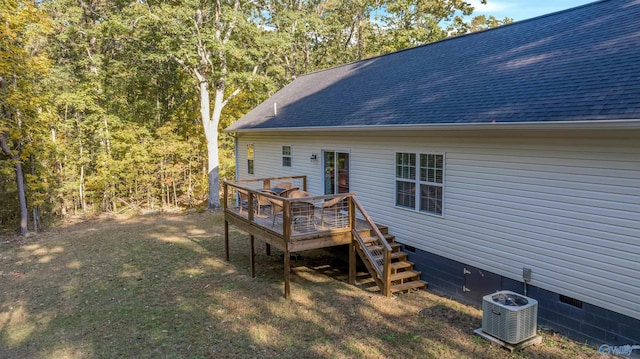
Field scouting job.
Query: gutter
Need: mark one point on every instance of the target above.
(549, 125)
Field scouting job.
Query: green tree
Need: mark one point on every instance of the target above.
(407, 23)
(142, 88)
(478, 23)
(221, 46)
(23, 62)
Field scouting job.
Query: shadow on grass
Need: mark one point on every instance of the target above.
(158, 287)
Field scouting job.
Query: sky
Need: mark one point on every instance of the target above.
(523, 9)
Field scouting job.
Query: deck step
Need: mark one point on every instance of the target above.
(370, 239)
(394, 247)
(383, 229)
(394, 255)
(370, 232)
(408, 286)
(396, 266)
(408, 274)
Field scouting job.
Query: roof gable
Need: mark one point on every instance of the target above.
(581, 64)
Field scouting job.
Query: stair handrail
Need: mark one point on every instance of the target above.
(386, 250)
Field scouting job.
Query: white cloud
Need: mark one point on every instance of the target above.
(491, 6)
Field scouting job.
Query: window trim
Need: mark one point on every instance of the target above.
(417, 182)
(289, 156)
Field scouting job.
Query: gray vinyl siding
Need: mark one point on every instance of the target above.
(565, 204)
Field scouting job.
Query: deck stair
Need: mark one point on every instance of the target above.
(403, 277)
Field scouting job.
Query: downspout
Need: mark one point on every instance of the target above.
(235, 152)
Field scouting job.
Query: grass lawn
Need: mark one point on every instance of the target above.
(158, 287)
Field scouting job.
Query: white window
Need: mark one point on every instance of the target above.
(420, 181)
(286, 156)
(250, 155)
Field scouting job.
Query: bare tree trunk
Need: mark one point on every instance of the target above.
(150, 204)
(35, 209)
(175, 195)
(189, 188)
(210, 126)
(59, 167)
(22, 199)
(81, 197)
(24, 214)
(113, 197)
(63, 202)
(83, 202)
(36, 218)
(166, 199)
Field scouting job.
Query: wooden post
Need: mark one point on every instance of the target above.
(267, 248)
(287, 274)
(286, 220)
(304, 183)
(386, 276)
(352, 244)
(352, 261)
(225, 191)
(226, 224)
(226, 240)
(252, 257)
(352, 215)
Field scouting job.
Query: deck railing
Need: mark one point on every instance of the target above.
(292, 218)
(311, 217)
(374, 247)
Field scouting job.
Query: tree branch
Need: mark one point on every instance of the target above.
(3, 144)
(227, 35)
(241, 88)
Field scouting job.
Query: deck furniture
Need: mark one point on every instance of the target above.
(332, 208)
(276, 208)
(288, 191)
(302, 213)
(244, 199)
(263, 201)
(285, 185)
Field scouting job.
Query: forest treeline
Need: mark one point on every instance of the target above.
(116, 105)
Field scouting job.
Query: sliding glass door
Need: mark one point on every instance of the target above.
(336, 172)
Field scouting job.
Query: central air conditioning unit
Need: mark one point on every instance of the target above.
(509, 316)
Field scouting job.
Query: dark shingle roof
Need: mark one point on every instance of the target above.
(581, 64)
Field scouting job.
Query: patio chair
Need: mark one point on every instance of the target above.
(284, 185)
(244, 199)
(288, 191)
(333, 206)
(302, 212)
(276, 208)
(263, 201)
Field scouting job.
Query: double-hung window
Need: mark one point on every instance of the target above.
(286, 156)
(250, 155)
(420, 181)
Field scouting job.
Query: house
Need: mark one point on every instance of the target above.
(487, 155)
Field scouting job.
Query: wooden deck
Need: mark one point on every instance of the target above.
(312, 222)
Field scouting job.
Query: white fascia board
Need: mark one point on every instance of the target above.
(556, 125)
